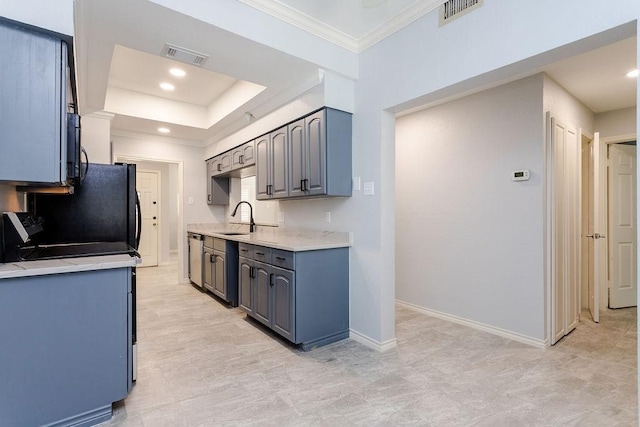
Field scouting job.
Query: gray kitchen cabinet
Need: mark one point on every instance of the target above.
(217, 187)
(320, 154)
(263, 167)
(272, 164)
(245, 296)
(295, 294)
(33, 105)
(243, 156)
(66, 347)
(221, 268)
(221, 164)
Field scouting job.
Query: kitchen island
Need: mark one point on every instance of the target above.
(296, 283)
(65, 328)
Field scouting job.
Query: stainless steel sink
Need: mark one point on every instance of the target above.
(232, 233)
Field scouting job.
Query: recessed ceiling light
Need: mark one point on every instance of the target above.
(177, 72)
(167, 86)
(633, 73)
(164, 130)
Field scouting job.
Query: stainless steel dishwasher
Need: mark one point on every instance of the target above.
(195, 258)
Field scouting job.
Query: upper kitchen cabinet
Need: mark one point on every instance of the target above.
(221, 164)
(320, 154)
(243, 155)
(37, 92)
(272, 165)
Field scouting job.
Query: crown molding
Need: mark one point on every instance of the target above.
(397, 22)
(124, 133)
(305, 22)
(314, 26)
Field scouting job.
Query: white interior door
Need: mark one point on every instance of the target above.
(565, 149)
(622, 226)
(148, 191)
(598, 169)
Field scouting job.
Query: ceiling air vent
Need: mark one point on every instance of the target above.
(454, 9)
(184, 55)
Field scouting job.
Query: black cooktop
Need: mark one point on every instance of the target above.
(73, 250)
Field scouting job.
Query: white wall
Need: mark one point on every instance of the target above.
(565, 107)
(175, 206)
(96, 137)
(469, 241)
(616, 123)
(425, 63)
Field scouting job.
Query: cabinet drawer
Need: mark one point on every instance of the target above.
(220, 244)
(282, 258)
(208, 241)
(245, 250)
(260, 253)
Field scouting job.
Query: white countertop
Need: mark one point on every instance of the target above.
(67, 265)
(289, 240)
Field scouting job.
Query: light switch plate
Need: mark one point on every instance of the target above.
(356, 183)
(369, 188)
(327, 216)
(190, 200)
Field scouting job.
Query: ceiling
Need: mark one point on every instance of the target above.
(120, 65)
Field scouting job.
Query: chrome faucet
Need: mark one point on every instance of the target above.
(252, 225)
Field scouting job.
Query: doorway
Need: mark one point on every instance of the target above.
(169, 216)
(148, 188)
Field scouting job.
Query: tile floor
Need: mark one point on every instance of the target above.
(202, 364)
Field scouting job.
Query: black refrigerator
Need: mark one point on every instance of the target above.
(100, 218)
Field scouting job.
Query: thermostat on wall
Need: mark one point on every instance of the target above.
(522, 175)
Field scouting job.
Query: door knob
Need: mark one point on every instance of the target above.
(154, 224)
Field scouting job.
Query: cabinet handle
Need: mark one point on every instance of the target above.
(212, 258)
(260, 253)
(219, 167)
(280, 258)
(241, 159)
(244, 250)
(252, 272)
(209, 197)
(269, 189)
(271, 279)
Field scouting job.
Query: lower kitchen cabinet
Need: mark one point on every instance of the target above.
(66, 347)
(221, 268)
(303, 296)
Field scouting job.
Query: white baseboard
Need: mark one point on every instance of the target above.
(476, 325)
(185, 281)
(373, 344)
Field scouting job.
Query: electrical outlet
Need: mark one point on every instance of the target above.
(327, 216)
(190, 200)
(280, 216)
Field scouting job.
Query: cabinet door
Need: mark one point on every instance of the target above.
(263, 168)
(283, 302)
(209, 277)
(316, 156)
(297, 158)
(248, 153)
(236, 158)
(261, 293)
(209, 195)
(216, 166)
(219, 282)
(245, 295)
(225, 162)
(279, 163)
(33, 106)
